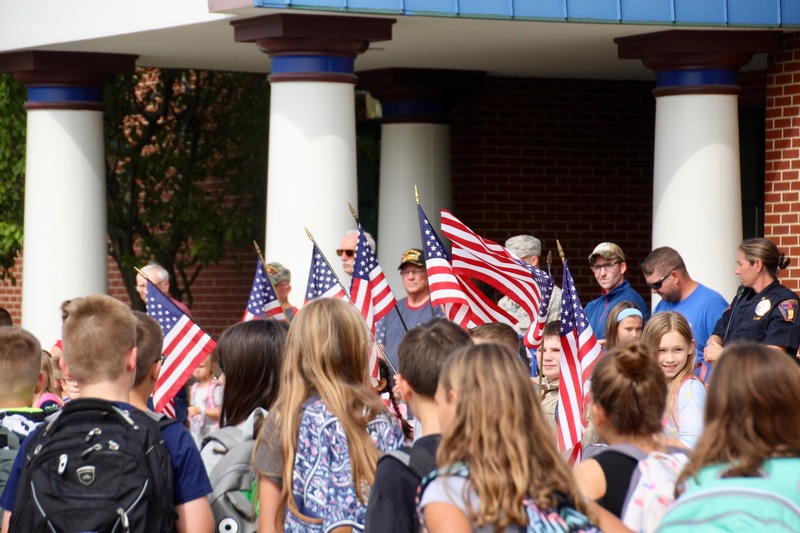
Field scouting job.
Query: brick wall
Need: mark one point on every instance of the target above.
(560, 159)
(782, 180)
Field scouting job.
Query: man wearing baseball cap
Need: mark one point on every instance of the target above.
(415, 308)
(609, 268)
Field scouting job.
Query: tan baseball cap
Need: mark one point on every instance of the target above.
(607, 250)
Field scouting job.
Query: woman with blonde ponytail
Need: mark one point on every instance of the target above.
(317, 452)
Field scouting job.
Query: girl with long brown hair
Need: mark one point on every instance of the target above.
(317, 452)
(495, 451)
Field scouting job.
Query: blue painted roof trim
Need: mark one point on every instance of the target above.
(63, 94)
(747, 13)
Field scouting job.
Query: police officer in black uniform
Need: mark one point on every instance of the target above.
(763, 310)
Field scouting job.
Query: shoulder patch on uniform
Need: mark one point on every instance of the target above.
(788, 310)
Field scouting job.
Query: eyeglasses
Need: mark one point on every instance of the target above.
(162, 358)
(407, 272)
(605, 266)
(347, 253)
(69, 381)
(657, 284)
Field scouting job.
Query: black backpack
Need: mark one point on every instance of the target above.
(96, 468)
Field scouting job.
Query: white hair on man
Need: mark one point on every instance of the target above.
(155, 273)
(369, 238)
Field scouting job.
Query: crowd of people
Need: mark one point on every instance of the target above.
(691, 420)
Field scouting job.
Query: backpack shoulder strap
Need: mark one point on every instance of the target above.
(160, 419)
(417, 459)
(422, 461)
(228, 436)
(630, 450)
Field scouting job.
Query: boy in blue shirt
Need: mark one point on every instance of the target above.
(99, 337)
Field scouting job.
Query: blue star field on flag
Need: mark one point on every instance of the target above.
(322, 282)
(263, 302)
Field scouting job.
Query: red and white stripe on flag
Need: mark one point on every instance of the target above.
(492, 263)
(185, 346)
(579, 353)
(463, 303)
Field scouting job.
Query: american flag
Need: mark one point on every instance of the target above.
(369, 289)
(487, 261)
(370, 292)
(263, 302)
(579, 353)
(185, 346)
(463, 303)
(322, 282)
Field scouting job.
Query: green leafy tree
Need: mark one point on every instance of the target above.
(186, 166)
(12, 171)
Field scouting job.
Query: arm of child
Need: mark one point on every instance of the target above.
(269, 496)
(691, 407)
(6, 521)
(443, 517)
(195, 517)
(590, 479)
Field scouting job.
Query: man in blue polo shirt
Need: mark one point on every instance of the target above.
(666, 275)
(609, 268)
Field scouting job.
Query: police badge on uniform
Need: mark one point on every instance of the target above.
(762, 308)
(788, 309)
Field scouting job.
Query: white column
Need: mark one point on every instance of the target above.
(411, 154)
(65, 241)
(311, 174)
(696, 185)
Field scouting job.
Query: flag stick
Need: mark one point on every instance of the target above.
(371, 334)
(422, 236)
(260, 255)
(539, 351)
(561, 251)
(355, 216)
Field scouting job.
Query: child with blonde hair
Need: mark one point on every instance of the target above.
(670, 335)
(317, 451)
(496, 472)
(47, 399)
(743, 473)
(205, 401)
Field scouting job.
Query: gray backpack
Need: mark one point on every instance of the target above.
(233, 477)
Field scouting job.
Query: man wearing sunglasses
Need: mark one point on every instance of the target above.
(666, 275)
(347, 249)
(609, 268)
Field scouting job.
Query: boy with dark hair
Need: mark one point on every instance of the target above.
(99, 337)
(149, 341)
(20, 378)
(421, 354)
